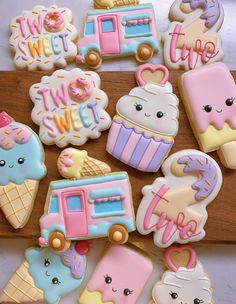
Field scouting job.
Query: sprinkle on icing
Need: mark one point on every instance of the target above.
(211, 10)
(14, 133)
(75, 261)
(206, 168)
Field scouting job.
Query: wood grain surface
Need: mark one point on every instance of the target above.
(14, 99)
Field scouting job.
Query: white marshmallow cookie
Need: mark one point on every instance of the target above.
(69, 107)
(43, 38)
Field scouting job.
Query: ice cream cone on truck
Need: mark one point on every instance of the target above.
(74, 163)
(91, 203)
(21, 168)
(108, 4)
(45, 275)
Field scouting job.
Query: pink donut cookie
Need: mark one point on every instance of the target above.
(53, 21)
(80, 89)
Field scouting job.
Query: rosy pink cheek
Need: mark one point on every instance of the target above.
(22, 168)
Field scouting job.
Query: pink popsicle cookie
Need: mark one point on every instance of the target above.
(118, 278)
(174, 206)
(43, 38)
(209, 98)
(143, 131)
(192, 39)
(185, 283)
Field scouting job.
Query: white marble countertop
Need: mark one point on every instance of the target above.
(219, 260)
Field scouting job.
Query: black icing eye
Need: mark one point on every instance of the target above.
(46, 263)
(160, 114)
(173, 295)
(197, 301)
(108, 279)
(55, 281)
(229, 102)
(21, 160)
(138, 107)
(127, 291)
(2, 163)
(207, 108)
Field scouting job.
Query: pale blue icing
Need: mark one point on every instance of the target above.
(32, 168)
(88, 181)
(43, 275)
(46, 232)
(103, 227)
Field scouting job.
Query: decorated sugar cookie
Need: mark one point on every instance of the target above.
(45, 275)
(73, 163)
(192, 39)
(107, 4)
(209, 98)
(69, 107)
(174, 206)
(143, 131)
(118, 278)
(118, 32)
(21, 169)
(43, 38)
(183, 284)
(89, 207)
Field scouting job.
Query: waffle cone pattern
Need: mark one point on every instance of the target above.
(103, 4)
(93, 166)
(16, 201)
(20, 288)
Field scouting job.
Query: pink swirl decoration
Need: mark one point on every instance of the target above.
(53, 21)
(64, 161)
(12, 132)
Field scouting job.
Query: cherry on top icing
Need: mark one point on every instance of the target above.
(153, 107)
(12, 132)
(211, 10)
(211, 93)
(183, 286)
(206, 168)
(21, 152)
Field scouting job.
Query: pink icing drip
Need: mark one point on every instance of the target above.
(12, 132)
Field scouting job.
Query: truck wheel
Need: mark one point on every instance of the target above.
(93, 59)
(144, 52)
(58, 242)
(118, 234)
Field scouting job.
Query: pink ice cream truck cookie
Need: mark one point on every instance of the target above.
(119, 277)
(142, 133)
(118, 32)
(86, 208)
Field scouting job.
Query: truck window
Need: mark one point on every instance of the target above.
(137, 26)
(53, 206)
(74, 203)
(107, 202)
(107, 26)
(89, 28)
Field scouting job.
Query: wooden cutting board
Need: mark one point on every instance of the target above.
(14, 99)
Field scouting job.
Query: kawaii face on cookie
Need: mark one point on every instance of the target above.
(21, 153)
(121, 275)
(211, 92)
(186, 286)
(153, 107)
(55, 274)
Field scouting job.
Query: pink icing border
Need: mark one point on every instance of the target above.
(152, 68)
